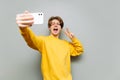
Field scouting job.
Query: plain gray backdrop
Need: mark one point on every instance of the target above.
(96, 23)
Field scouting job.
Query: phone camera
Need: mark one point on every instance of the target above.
(40, 14)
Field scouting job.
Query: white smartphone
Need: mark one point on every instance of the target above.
(38, 17)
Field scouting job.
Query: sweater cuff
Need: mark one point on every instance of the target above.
(74, 39)
(23, 30)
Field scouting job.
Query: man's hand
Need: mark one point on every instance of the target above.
(25, 19)
(69, 34)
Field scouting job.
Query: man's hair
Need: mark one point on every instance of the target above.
(57, 18)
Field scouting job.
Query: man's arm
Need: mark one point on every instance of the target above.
(76, 47)
(24, 22)
(31, 39)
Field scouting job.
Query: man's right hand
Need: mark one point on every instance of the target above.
(25, 19)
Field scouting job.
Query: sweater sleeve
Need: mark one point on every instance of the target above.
(31, 39)
(76, 47)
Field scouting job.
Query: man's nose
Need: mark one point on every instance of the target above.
(55, 25)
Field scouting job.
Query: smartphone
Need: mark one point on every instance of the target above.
(38, 17)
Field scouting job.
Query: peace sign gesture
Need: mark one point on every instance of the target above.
(69, 34)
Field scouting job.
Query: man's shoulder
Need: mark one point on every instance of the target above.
(42, 36)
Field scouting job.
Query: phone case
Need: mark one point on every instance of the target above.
(38, 17)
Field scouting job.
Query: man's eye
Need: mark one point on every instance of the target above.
(58, 23)
(53, 23)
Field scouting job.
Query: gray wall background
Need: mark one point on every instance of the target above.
(95, 22)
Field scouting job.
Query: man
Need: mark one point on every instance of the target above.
(55, 52)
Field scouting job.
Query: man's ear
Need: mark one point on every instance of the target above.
(49, 28)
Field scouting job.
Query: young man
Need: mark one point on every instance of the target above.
(55, 52)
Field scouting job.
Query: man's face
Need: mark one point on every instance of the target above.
(55, 27)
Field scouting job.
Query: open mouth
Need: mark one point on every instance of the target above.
(55, 29)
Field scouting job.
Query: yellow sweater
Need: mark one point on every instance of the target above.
(55, 62)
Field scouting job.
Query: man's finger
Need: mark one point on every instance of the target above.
(26, 12)
(24, 18)
(21, 25)
(25, 22)
(67, 30)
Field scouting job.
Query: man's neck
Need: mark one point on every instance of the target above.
(56, 36)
